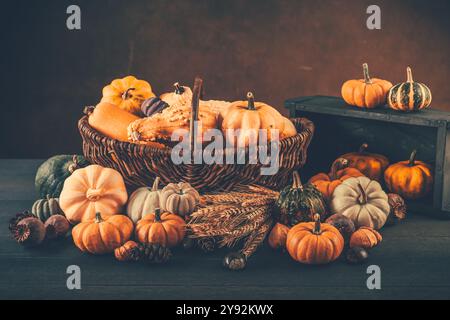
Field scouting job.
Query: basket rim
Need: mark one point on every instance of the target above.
(304, 135)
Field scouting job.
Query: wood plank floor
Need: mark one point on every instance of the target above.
(414, 259)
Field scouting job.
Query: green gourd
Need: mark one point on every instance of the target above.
(51, 175)
(45, 208)
(299, 203)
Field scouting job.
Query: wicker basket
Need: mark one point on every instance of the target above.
(140, 164)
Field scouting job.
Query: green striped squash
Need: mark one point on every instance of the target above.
(45, 208)
(409, 96)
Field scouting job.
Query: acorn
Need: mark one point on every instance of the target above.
(235, 261)
(356, 255)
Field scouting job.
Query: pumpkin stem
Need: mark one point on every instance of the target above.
(98, 217)
(126, 95)
(409, 77)
(296, 181)
(88, 110)
(366, 74)
(412, 158)
(73, 166)
(178, 89)
(337, 165)
(363, 198)
(363, 148)
(251, 101)
(317, 230)
(157, 214)
(155, 184)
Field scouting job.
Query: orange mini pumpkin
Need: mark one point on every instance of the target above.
(100, 236)
(367, 92)
(166, 229)
(314, 242)
(128, 94)
(410, 179)
(372, 165)
(327, 183)
(366, 238)
(90, 190)
(127, 252)
(249, 117)
(278, 235)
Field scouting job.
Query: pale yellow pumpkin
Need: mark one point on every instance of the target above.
(90, 190)
(249, 117)
(128, 94)
(143, 201)
(181, 96)
(179, 198)
(289, 129)
(363, 201)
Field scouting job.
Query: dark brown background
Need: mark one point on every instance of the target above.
(278, 49)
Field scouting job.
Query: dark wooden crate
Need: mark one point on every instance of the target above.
(341, 128)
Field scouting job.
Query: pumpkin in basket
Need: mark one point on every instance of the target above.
(363, 201)
(326, 183)
(179, 198)
(248, 117)
(410, 179)
(299, 203)
(110, 120)
(127, 93)
(165, 228)
(143, 201)
(367, 92)
(181, 96)
(102, 234)
(314, 242)
(51, 175)
(289, 129)
(372, 165)
(410, 95)
(90, 190)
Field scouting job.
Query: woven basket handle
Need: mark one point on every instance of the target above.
(196, 95)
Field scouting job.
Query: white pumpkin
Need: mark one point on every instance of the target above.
(363, 201)
(181, 96)
(179, 198)
(143, 201)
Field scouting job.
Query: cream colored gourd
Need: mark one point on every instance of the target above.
(90, 190)
(363, 201)
(181, 96)
(179, 198)
(143, 201)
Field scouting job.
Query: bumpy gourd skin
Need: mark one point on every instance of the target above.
(52, 173)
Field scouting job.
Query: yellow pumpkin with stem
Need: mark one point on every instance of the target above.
(128, 94)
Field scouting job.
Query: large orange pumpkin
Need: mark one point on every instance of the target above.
(410, 179)
(326, 183)
(367, 92)
(314, 242)
(128, 93)
(90, 190)
(249, 117)
(100, 236)
(166, 229)
(372, 165)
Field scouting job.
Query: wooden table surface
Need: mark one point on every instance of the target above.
(414, 259)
